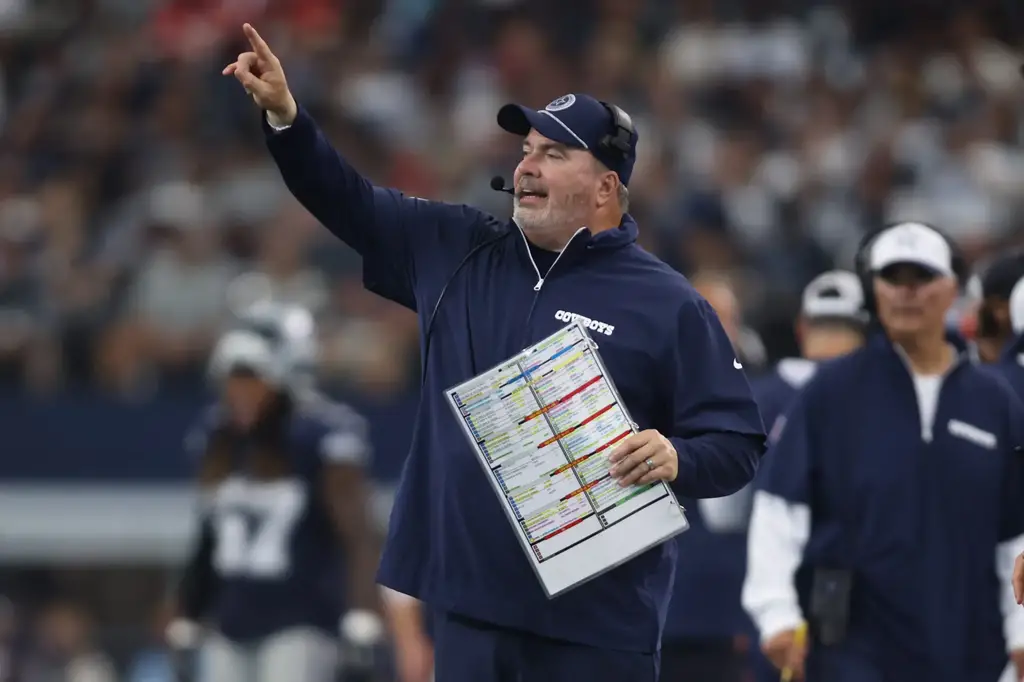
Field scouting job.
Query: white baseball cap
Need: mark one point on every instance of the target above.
(914, 243)
(1017, 307)
(837, 294)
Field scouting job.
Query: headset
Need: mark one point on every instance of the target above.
(619, 141)
(862, 262)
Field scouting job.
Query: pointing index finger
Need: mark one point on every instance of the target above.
(259, 45)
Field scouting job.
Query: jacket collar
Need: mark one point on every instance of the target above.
(607, 240)
(879, 342)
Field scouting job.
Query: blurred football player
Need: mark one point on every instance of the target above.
(286, 554)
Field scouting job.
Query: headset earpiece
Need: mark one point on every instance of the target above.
(862, 266)
(619, 141)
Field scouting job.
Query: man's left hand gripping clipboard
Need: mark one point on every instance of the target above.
(542, 425)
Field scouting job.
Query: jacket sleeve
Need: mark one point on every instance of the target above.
(716, 427)
(399, 237)
(780, 524)
(1011, 532)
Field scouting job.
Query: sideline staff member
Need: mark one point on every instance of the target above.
(831, 324)
(484, 290)
(706, 635)
(992, 287)
(891, 497)
(999, 339)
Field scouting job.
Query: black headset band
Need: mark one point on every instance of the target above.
(619, 141)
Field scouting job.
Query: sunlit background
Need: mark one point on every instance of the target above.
(138, 208)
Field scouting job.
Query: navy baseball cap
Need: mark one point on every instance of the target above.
(577, 121)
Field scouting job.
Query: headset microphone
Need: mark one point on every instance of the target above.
(498, 185)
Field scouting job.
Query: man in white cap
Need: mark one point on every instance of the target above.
(891, 496)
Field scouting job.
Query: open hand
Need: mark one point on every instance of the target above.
(260, 73)
(644, 458)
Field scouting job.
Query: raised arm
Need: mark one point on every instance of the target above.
(400, 238)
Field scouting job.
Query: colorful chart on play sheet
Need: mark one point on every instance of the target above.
(543, 425)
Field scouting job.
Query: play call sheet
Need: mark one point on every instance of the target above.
(544, 425)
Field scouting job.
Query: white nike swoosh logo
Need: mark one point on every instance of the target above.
(736, 364)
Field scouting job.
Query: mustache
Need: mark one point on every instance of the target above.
(528, 186)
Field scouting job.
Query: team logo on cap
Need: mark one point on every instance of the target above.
(907, 239)
(563, 102)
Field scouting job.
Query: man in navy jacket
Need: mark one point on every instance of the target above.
(890, 504)
(484, 290)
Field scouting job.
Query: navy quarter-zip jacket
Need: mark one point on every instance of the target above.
(928, 515)
(449, 542)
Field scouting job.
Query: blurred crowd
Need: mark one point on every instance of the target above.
(138, 207)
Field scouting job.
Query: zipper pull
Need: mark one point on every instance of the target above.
(539, 284)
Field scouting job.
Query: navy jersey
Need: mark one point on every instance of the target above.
(277, 557)
(923, 508)
(449, 541)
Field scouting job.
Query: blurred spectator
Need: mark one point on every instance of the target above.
(721, 294)
(152, 663)
(21, 297)
(176, 306)
(65, 651)
(8, 644)
(281, 271)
